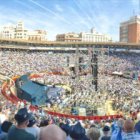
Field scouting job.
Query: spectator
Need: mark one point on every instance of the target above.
(106, 133)
(93, 134)
(66, 129)
(117, 130)
(129, 131)
(77, 132)
(44, 123)
(137, 125)
(52, 132)
(18, 132)
(2, 116)
(4, 130)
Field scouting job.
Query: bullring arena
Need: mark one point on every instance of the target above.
(118, 82)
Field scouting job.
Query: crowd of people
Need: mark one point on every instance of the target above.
(28, 125)
(123, 90)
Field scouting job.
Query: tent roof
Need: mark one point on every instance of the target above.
(33, 88)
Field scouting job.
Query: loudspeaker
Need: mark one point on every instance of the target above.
(81, 61)
(68, 61)
(94, 67)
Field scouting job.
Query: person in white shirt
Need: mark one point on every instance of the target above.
(2, 116)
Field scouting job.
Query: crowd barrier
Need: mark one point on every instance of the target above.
(98, 118)
(14, 99)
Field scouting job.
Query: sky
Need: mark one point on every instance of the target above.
(62, 16)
